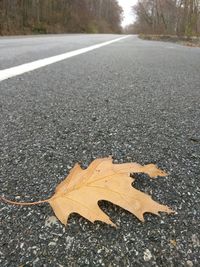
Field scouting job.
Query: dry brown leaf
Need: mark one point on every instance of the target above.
(81, 191)
(103, 180)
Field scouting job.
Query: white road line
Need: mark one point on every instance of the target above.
(18, 70)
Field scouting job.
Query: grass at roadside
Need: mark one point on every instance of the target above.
(189, 41)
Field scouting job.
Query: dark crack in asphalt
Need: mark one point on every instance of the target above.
(135, 100)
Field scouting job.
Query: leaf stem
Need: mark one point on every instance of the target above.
(23, 203)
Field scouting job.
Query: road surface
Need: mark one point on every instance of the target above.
(136, 100)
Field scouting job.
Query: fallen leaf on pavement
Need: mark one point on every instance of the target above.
(82, 189)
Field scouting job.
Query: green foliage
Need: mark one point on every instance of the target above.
(92, 27)
(39, 30)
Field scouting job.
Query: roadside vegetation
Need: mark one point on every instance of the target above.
(167, 20)
(192, 41)
(167, 17)
(59, 16)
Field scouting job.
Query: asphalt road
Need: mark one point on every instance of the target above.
(137, 100)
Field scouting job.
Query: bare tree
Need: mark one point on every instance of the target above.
(52, 16)
(179, 17)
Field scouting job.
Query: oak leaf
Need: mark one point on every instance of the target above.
(82, 189)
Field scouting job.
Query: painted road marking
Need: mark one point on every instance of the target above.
(27, 67)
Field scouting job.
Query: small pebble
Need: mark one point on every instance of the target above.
(147, 255)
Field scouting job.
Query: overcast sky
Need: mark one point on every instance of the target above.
(128, 14)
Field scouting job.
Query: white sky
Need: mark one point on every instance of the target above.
(128, 14)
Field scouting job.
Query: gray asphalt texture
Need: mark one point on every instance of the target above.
(136, 100)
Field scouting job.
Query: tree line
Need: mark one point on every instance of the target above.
(177, 17)
(59, 16)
